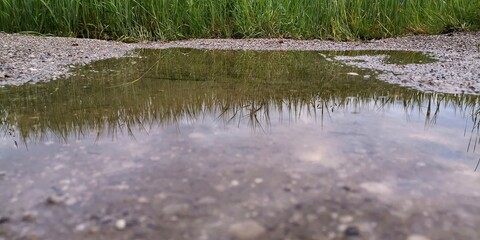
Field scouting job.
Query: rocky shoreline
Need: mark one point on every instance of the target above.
(32, 59)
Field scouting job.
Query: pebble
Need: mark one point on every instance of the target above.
(378, 188)
(417, 237)
(177, 208)
(207, 201)
(352, 74)
(352, 231)
(29, 216)
(4, 219)
(246, 230)
(70, 201)
(346, 219)
(94, 229)
(220, 188)
(54, 199)
(81, 227)
(3, 74)
(311, 217)
(342, 227)
(143, 200)
(120, 224)
(161, 196)
(296, 218)
(258, 180)
(235, 183)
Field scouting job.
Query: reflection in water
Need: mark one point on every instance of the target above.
(169, 87)
(275, 133)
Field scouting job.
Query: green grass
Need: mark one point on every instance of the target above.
(130, 20)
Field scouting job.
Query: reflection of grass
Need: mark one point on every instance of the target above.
(5, 128)
(474, 133)
(180, 85)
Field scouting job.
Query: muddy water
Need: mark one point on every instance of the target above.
(193, 144)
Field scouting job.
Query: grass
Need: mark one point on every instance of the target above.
(131, 20)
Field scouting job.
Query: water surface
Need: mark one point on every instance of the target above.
(183, 114)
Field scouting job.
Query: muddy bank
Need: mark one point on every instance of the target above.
(30, 59)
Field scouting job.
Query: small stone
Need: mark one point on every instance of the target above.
(352, 74)
(81, 227)
(235, 183)
(29, 216)
(70, 201)
(311, 217)
(417, 237)
(207, 201)
(122, 186)
(378, 188)
(246, 230)
(120, 224)
(342, 228)
(142, 219)
(94, 229)
(161, 196)
(54, 199)
(346, 219)
(421, 164)
(173, 209)
(143, 200)
(296, 218)
(258, 180)
(220, 188)
(4, 220)
(352, 231)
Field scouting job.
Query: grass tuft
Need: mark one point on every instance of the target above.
(131, 20)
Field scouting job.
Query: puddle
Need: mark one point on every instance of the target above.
(189, 125)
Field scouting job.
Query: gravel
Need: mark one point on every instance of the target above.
(32, 59)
